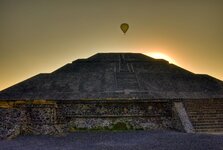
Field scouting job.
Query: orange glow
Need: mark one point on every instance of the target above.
(159, 55)
(190, 35)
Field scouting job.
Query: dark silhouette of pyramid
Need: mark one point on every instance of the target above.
(116, 76)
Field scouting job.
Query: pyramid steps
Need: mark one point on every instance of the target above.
(206, 115)
(203, 120)
(126, 80)
(215, 110)
(208, 130)
(202, 124)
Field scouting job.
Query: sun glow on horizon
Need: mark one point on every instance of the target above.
(159, 55)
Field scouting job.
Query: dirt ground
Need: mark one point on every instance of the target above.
(121, 140)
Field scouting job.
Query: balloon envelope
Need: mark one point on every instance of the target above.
(124, 27)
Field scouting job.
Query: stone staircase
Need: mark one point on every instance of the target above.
(206, 115)
(126, 80)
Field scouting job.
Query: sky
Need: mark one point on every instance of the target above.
(39, 36)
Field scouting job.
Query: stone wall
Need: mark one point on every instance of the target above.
(47, 117)
(10, 122)
(106, 114)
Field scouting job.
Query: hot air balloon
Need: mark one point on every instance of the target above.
(124, 27)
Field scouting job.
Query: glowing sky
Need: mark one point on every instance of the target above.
(39, 36)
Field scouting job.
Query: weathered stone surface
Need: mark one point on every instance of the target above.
(63, 116)
(116, 76)
(11, 121)
(135, 123)
(104, 115)
(105, 91)
(113, 108)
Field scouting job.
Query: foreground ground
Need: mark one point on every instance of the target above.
(123, 140)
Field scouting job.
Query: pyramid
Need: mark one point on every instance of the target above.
(116, 75)
(113, 91)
